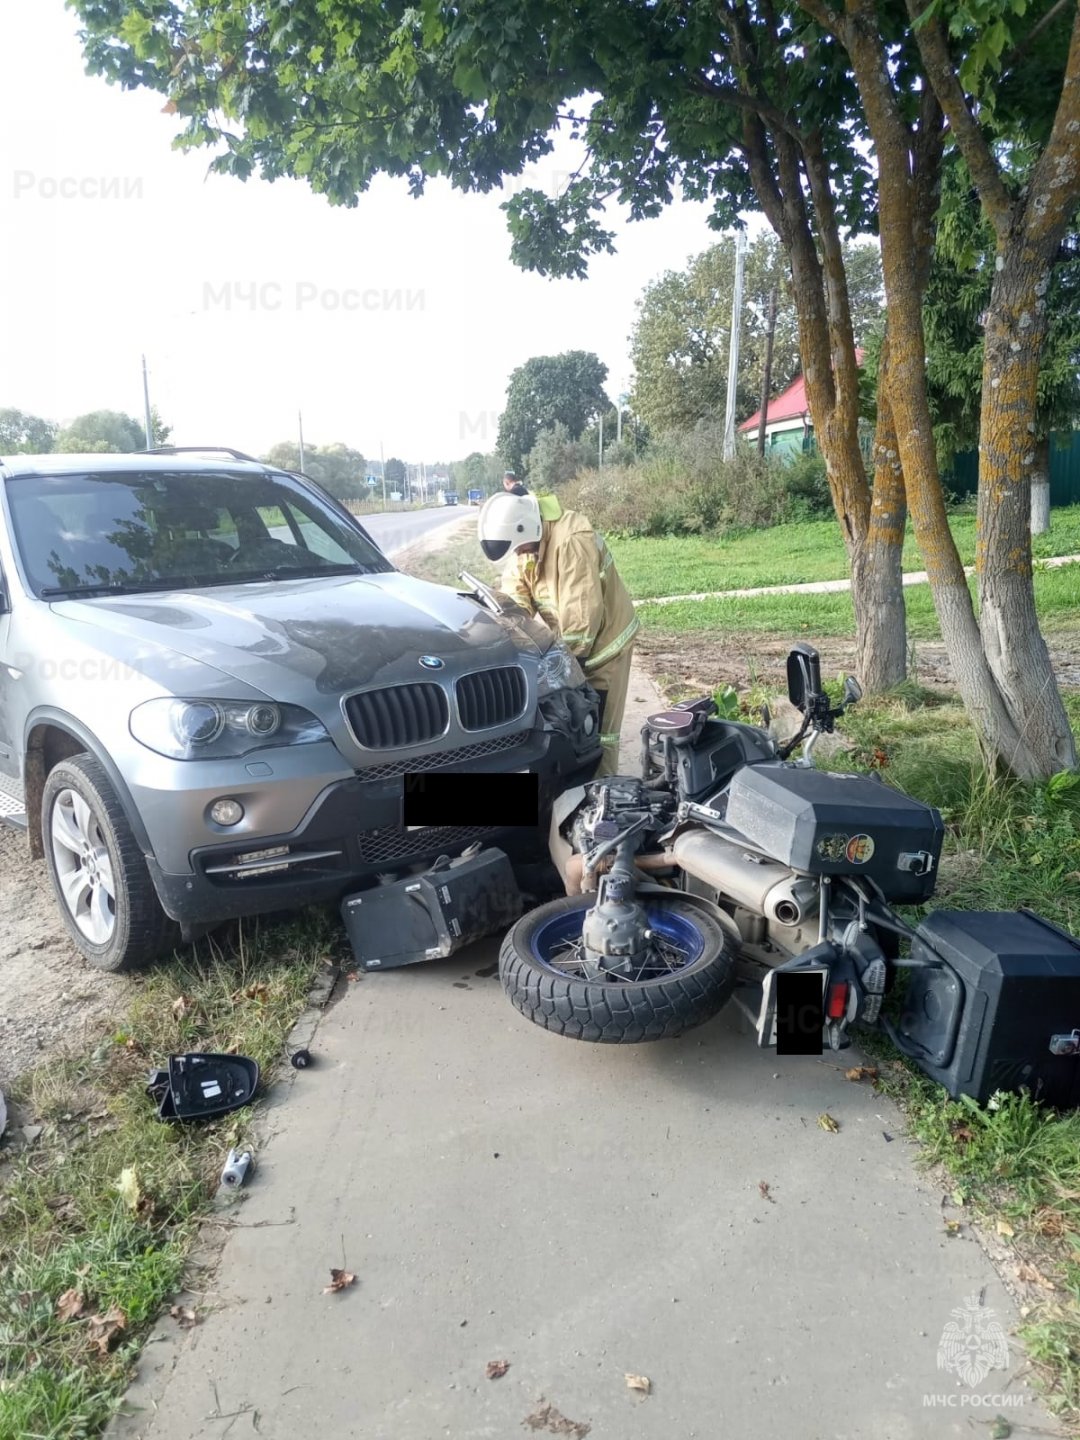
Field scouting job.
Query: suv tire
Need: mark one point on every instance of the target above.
(98, 872)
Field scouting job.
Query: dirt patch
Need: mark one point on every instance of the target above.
(49, 997)
(750, 660)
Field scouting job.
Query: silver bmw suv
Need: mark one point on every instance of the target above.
(212, 682)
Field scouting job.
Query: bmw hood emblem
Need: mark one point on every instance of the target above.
(431, 662)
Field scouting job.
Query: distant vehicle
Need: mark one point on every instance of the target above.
(449, 497)
(395, 495)
(476, 497)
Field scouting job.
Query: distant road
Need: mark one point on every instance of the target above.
(395, 531)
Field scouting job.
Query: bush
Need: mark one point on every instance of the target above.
(808, 485)
(555, 458)
(683, 486)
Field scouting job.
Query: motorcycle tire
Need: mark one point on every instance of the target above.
(616, 1012)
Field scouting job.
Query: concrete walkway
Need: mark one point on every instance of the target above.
(582, 1212)
(824, 587)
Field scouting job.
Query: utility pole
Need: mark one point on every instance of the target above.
(766, 376)
(733, 349)
(618, 420)
(382, 466)
(300, 424)
(148, 418)
(601, 442)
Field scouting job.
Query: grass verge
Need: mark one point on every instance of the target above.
(99, 1212)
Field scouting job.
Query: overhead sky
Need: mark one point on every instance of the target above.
(395, 323)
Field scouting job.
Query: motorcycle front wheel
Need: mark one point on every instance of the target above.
(686, 976)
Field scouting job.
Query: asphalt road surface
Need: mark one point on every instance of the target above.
(584, 1212)
(398, 530)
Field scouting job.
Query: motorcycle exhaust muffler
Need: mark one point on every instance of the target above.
(763, 887)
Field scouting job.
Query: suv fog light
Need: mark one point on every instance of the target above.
(226, 812)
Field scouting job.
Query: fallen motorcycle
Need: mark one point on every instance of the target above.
(727, 864)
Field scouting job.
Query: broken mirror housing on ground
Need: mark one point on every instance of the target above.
(201, 1087)
(432, 915)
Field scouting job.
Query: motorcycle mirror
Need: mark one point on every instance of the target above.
(803, 675)
(852, 690)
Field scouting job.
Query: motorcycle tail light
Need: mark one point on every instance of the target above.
(838, 998)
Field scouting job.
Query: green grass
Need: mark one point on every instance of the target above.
(788, 555)
(1057, 598)
(64, 1224)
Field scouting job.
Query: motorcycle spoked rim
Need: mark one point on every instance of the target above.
(556, 930)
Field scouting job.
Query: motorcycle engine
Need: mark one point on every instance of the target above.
(614, 804)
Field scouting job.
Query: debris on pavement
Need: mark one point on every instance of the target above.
(300, 1059)
(339, 1280)
(546, 1417)
(641, 1383)
(201, 1087)
(861, 1072)
(1031, 1276)
(184, 1316)
(826, 1121)
(763, 1188)
(235, 1170)
(31, 1132)
(952, 1228)
(1000, 1428)
(496, 1369)
(886, 1137)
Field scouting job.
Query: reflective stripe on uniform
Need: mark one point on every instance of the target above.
(609, 739)
(571, 637)
(610, 651)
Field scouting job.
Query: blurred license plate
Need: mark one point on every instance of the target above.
(766, 1023)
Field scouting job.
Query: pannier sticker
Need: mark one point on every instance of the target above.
(860, 849)
(832, 847)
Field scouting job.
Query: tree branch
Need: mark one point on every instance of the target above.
(823, 15)
(1054, 192)
(941, 73)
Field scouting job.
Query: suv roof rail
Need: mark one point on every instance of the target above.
(201, 450)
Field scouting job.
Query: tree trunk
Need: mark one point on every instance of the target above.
(880, 613)
(1009, 625)
(1040, 487)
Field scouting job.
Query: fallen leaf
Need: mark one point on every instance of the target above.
(1050, 1222)
(763, 1188)
(261, 991)
(639, 1382)
(861, 1072)
(826, 1121)
(128, 1186)
(1004, 1228)
(1031, 1276)
(546, 1417)
(496, 1369)
(952, 1227)
(183, 1316)
(70, 1305)
(963, 1133)
(182, 1005)
(105, 1328)
(31, 1132)
(339, 1280)
(1001, 1429)
(169, 108)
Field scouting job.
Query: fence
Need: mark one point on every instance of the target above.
(963, 476)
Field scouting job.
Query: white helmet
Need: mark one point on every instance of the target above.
(508, 521)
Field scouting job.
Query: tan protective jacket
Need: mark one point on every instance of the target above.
(572, 584)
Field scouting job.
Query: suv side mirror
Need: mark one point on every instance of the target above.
(803, 676)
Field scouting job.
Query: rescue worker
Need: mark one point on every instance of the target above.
(560, 569)
(511, 484)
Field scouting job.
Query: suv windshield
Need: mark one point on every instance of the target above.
(163, 530)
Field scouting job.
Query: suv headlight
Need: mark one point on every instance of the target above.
(558, 670)
(218, 729)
